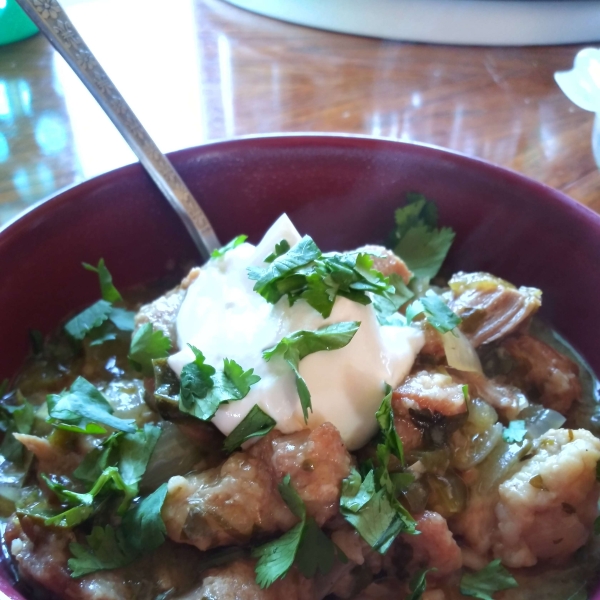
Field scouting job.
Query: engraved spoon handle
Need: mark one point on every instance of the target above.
(53, 22)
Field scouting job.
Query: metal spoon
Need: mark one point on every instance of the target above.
(53, 22)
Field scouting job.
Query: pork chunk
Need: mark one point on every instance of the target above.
(424, 390)
(550, 375)
(491, 308)
(229, 504)
(434, 547)
(237, 581)
(546, 509)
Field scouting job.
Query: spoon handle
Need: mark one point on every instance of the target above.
(53, 22)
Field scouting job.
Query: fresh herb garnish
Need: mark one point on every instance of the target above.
(142, 531)
(294, 347)
(515, 432)
(417, 240)
(129, 452)
(305, 545)
(435, 310)
(234, 243)
(304, 272)
(107, 288)
(17, 418)
(204, 389)
(90, 318)
(387, 306)
(280, 249)
(94, 320)
(369, 501)
(418, 584)
(255, 424)
(482, 584)
(147, 344)
(84, 409)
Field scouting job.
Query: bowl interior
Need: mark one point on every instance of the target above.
(341, 190)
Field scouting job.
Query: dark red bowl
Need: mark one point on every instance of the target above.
(342, 190)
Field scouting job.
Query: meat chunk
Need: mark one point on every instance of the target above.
(162, 312)
(491, 308)
(506, 399)
(229, 504)
(387, 262)
(424, 391)
(435, 547)
(237, 581)
(42, 553)
(546, 510)
(551, 376)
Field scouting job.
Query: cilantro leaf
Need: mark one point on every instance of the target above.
(104, 550)
(418, 584)
(234, 243)
(143, 526)
(130, 452)
(387, 305)
(424, 249)
(299, 344)
(146, 345)
(305, 544)
(142, 531)
(482, 584)
(280, 249)
(109, 291)
(304, 272)
(93, 316)
(416, 239)
(515, 432)
(122, 319)
(204, 389)
(255, 424)
(84, 409)
(17, 418)
(385, 418)
(436, 312)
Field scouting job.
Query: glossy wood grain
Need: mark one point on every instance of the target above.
(199, 70)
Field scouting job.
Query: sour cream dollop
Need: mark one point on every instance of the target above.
(223, 317)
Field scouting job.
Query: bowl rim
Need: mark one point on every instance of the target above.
(577, 209)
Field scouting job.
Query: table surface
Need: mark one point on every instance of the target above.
(200, 70)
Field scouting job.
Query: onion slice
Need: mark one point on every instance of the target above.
(460, 353)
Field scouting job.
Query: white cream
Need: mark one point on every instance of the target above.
(222, 316)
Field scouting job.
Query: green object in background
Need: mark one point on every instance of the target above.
(14, 23)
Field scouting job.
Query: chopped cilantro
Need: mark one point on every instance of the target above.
(385, 418)
(142, 531)
(84, 409)
(305, 544)
(280, 249)
(130, 452)
(435, 310)
(515, 432)
(93, 316)
(94, 320)
(234, 243)
(15, 419)
(417, 240)
(387, 306)
(146, 345)
(418, 584)
(369, 501)
(304, 272)
(255, 424)
(204, 389)
(482, 584)
(107, 288)
(294, 347)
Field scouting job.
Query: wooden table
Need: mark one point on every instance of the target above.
(199, 70)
